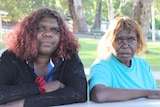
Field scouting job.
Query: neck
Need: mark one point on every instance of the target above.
(42, 60)
(128, 64)
(41, 65)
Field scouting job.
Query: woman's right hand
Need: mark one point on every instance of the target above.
(153, 94)
(53, 85)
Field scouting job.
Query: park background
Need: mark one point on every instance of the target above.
(89, 19)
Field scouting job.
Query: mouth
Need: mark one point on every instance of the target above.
(125, 54)
(46, 43)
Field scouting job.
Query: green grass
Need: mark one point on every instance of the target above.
(153, 56)
(1, 47)
(158, 83)
(88, 53)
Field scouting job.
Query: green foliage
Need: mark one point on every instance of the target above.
(89, 8)
(18, 9)
(156, 5)
(127, 9)
(157, 21)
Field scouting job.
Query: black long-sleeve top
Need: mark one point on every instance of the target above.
(17, 82)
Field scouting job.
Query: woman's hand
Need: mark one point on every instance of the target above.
(153, 94)
(53, 85)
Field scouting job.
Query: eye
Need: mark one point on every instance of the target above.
(55, 30)
(40, 28)
(131, 39)
(118, 40)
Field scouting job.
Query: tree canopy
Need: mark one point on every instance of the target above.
(18, 9)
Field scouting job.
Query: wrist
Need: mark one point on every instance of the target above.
(41, 83)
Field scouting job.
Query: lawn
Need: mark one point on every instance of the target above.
(88, 53)
(1, 47)
(153, 55)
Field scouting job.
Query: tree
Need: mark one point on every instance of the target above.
(17, 9)
(112, 12)
(141, 12)
(97, 22)
(79, 21)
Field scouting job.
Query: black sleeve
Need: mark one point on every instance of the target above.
(8, 90)
(74, 92)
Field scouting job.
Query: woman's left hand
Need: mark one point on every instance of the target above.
(18, 103)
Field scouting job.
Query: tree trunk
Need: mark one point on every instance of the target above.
(111, 13)
(141, 12)
(110, 10)
(97, 22)
(153, 24)
(79, 21)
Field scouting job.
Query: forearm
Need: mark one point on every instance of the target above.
(113, 94)
(18, 103)
(13, 93)
(108, 94)
(61, 96)
(73, 93)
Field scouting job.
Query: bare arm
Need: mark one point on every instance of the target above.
(52, 86)
(18, 103)
(101, 93)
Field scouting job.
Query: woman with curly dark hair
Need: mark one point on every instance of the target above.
(41, 66)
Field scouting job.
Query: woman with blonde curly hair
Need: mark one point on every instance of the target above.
(119, 74)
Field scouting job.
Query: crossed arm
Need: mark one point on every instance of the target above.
(101, 94)
(49, 87)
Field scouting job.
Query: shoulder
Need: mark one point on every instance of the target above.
(8, 55)
(74, 57)
(100, 67)
(101, 63)
(140, 61)
(74, 60)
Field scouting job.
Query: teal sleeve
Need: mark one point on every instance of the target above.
(99, 74)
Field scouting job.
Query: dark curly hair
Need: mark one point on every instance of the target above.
(23, 38)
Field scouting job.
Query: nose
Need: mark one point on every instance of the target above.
(125, 44)
(48, 33)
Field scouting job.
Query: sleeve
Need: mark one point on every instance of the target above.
(99, 74)
(8, 90)
(74, 92)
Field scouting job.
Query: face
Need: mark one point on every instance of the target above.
(125, 46)
(48, 36)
